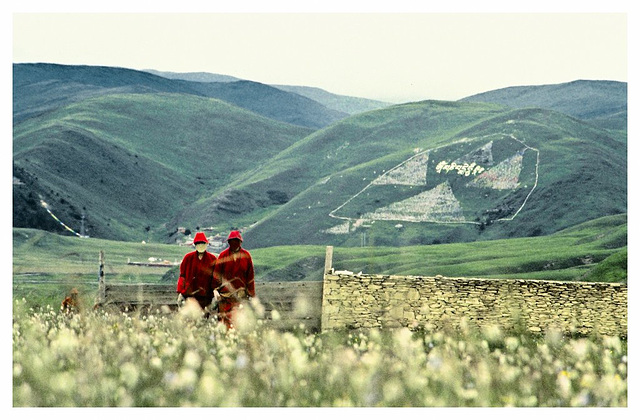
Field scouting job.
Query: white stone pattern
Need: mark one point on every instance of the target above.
(411, 172)
(503, 176)
(436, 205)
(482, 156)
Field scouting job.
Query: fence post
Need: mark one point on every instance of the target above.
(101, 285)
(328, 260)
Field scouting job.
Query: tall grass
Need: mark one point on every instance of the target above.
(102, 359)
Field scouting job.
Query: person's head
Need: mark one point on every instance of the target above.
(234, 240)
(200, 241)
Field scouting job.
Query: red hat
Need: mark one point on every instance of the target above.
(234, 234)
(200, 238)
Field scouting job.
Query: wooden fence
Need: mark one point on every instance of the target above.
(297, 303)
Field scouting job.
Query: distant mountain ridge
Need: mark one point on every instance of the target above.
(341, 103)
(41, 87)
(348, 104)
(201, 77)
(601, 102)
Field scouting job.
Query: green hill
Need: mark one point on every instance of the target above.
(131, 162)
(272, 103)
(591, 251)
(141, 166)
(383, 136)
(374, 178)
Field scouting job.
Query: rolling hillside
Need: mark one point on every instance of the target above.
(602, 103)
(39, 88)
(132, 161)
(374, 178)
(272, 103)
(141, 155)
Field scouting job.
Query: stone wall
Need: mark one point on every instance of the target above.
(370, 301)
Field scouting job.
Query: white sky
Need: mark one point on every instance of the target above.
(387, 55)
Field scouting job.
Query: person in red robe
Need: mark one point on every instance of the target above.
(233, 278)
(196, 273)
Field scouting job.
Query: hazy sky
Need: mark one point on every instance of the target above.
(395, 57)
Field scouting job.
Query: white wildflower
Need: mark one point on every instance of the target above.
(275, 315)
(17, 370)
(241, 361)
(192, 359)
(208, 390)
(613, 343)
(511, 343)
(244, 320)
(191, 310)
(492, 333)
(554, 337)
(129, 374)
(392, 390)
(64, 382)
(587, 380)
(583, 399)
(564, 384)
(580, 348)
(156, 362)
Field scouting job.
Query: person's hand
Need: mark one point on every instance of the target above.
(180, 299)
(216, 295)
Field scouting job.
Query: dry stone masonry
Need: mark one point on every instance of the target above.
(379, 301)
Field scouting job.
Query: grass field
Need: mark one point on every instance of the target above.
(185, 360)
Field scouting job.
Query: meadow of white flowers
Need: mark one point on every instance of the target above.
(103, 358)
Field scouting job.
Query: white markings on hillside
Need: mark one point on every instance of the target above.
(434, 205)
(535, 184)
(439, 204)
(412, 171)
(503, 176)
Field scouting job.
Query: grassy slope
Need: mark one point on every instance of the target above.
(63, 262)
(152, 148)
(147, 156)
(582, 173)
(272, 103)
(378, 138)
